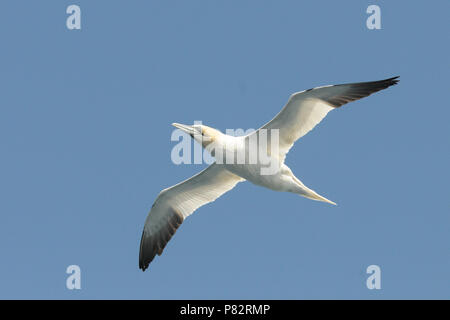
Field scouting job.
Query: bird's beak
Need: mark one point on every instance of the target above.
(188, 129)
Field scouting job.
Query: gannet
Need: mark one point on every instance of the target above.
(303, 111)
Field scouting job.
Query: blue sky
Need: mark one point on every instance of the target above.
(85, 148)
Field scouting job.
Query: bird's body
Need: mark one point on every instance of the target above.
(257, 157)
(281, 180)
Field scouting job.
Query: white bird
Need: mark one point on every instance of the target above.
(303, 111)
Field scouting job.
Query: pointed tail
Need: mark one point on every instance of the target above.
(315, 196)
(311, 194)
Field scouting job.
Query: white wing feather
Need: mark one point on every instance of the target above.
(304, 110)
(176, 203)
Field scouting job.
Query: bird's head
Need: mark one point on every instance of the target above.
(201, 133)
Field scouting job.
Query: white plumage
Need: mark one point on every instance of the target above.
(303, 111)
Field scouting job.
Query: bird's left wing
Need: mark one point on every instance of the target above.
(306, 109)
(176, 203)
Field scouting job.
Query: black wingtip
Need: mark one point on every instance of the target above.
(388, 81)
(154, 244)
(380, 85)
(143, 263)
(392, 81)
(143, 266)
(374, 86)
(360, 90)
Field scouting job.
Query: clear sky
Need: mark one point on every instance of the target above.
(85, 148)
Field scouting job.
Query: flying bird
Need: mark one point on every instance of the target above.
(303, 111)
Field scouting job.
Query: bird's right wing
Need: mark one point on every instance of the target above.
(176, 203)
(306, 109)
